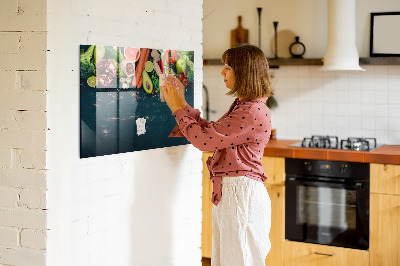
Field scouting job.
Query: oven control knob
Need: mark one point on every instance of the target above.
(308, 166)
(343, 168)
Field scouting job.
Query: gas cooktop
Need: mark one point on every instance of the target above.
(332, 142)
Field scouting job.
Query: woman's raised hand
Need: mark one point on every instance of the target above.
(174, 93)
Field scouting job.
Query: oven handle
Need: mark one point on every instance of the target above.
(357, 185)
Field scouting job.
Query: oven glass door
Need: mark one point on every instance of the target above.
(326, 213)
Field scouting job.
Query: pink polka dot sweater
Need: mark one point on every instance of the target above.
(238, 139)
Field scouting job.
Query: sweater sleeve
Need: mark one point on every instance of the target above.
(193, 113)
(232, 130)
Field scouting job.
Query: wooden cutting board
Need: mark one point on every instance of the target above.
(239, 35)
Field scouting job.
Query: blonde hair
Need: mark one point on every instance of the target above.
(250, 66)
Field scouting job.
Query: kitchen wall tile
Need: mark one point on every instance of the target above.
(304, 72)
(355, 122)
(393, 71)
(394, 82)
(328, 74)
(368, 123)
(367, 81)
(315, 72)
(329, 93)
(342, 80)
(291, 71)
(394, 123)
(381, 123)
(381, 84)
(394, 97)
(325, 100)
(367, 110)
(394, 137)
(342, 133)
(381, 97)
(317, 131)
(304, 109)
(342, 96)
(317, 95)
(329, 122)
(381, 136)
(292, 82)
(381, 110)
(342, 109)
(355, 109)
(394, 110)
(317, 108)
(329, 109)
(317, 121)
(316, 82)
(367, 96)
(380, 71)
(342, 122)
(355, 132)
(304, 82)
(355, 96)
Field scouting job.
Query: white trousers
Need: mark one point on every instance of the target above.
(241, 223)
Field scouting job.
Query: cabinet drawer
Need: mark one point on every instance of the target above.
(297, 254)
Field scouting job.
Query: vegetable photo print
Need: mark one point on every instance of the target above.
(122, 108)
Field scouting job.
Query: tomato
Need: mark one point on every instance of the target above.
(185, 82)
(171, 56)
(181, 76)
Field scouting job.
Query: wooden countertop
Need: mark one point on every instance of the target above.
(389, 154)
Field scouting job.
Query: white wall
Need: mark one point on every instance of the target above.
(306, 19)
(23, 133)
(311, 102)
(139, 208)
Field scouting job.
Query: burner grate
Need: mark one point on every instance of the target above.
(358, 144)
(327, 142)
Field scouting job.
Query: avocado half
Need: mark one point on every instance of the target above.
(147, 84)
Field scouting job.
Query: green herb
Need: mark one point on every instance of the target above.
(87, 64)
(155, 80)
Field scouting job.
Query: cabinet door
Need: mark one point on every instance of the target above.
(384, 230)
(385, 178)
(206, 232)
(304, 254)
(277, 233)
(274, 168)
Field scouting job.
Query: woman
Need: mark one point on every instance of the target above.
(242, 208)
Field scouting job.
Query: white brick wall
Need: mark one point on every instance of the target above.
(139, 208)
(23, 132)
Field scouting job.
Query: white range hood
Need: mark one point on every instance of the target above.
(341, 51)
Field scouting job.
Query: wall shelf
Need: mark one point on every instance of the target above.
(380, 61)
(274, 63)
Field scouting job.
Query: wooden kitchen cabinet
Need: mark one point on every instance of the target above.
(206, 225)
(277, 233)
(385, 215)
(274, 168)
(305, 254)
(385, 178)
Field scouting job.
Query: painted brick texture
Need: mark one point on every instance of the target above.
(23, 125)
(138, 208)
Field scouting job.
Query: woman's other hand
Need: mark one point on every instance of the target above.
(174, 93)
(181, 90)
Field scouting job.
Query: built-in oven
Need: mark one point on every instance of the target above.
(327, 202)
